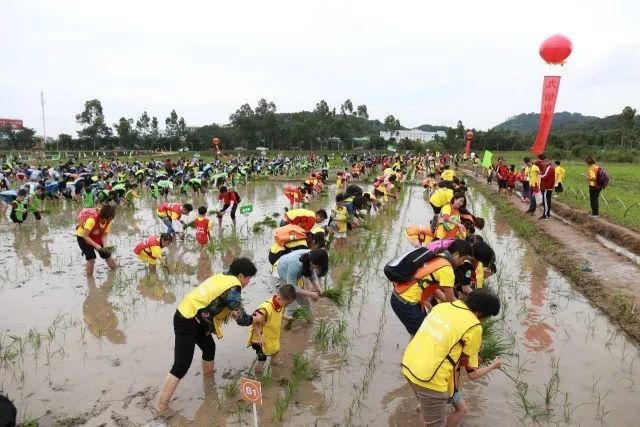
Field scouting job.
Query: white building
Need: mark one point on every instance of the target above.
(412, 135)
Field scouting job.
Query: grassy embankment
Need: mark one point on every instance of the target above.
(622, 195)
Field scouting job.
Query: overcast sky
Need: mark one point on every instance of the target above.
(423, 61)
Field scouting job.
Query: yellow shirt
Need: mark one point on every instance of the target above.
(205, 293)
(154, 257)
(88, 226)
(448, 329)
(534, 174)
(479, 275)
(445, 278)
(441, 197)
(270, 329)
(560, 173)
(341, 216)
(448, 175)
(592, 174)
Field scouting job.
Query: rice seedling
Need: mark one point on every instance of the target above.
(552, 387)
(493, 343)
(109, 250)
(302, 367)
(298, 315)
(231, 389)
(266, 377)
(335, 294)
(321, 334)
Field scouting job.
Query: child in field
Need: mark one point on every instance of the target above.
(264, 333)
(150, 250)
(228, 198)
(36, 201)
(169, 212)
(203, 227)
(560, 174)
(340, 219)
(457, 400)
(511, 180)
(131, 195)
(19, 208)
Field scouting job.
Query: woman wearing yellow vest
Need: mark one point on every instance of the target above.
(436, 277)
(264, 334)
(202, 312)
(450, 331)
(441, 197)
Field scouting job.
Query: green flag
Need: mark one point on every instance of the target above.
(486, 159)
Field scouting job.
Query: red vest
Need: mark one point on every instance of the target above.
(146, 245)
(548, 181)
(171, 207)
(202, 230)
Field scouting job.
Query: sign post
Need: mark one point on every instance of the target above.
(251, 391)
(246, 209)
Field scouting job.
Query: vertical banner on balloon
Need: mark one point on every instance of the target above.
(467, 147)
(549, 95)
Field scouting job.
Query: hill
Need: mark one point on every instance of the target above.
(528, 122)
(432, 128)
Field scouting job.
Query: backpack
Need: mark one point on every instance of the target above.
(289, 233)
(87, 213)
(402, 269)
(602, 178)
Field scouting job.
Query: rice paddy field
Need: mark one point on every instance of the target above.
(77, 351)
(619, 202)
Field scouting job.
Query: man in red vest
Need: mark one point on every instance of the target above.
(547, 183)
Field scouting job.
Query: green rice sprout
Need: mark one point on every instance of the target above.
(109, 250)
(335, 294)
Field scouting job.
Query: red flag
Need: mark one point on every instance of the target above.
(549, 95)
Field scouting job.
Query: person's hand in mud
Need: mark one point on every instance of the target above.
(496, 363)
(315, 296)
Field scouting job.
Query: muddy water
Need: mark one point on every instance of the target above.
(99, 349)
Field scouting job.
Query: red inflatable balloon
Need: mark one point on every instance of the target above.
(469, 134)
(215, 141)
(556, 49)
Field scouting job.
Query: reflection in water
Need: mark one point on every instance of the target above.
(205, 269)
(40, 247)
(155, 289)
(537, 333)
(210, 409)
(99, 313)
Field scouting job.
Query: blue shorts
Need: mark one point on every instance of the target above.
(410, 315)
(457, 397)
(168, 222)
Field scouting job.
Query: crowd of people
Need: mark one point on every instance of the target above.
(438, 287)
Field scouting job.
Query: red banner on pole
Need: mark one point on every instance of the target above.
(549, 95)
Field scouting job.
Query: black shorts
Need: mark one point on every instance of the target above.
(88, 251)
(502, 183)
(15, 219)
(233, 209)
(261, 356)
(559, 188)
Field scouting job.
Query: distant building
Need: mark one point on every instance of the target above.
(412, 135)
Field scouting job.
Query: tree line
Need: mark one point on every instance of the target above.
(248, 127)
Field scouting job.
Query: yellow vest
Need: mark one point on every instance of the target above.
(441, 197)
(275, 248)
(295, 213)
(430, 358)
(204, 294)
(270, 329)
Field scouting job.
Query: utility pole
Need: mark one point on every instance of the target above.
(44, 126)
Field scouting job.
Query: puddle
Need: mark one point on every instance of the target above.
(619, 249)
(108, 343)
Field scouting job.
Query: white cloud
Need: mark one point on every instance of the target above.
(424, 62)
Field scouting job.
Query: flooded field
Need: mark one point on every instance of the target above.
(79, 351)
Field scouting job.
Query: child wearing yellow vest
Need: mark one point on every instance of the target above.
(264, 334)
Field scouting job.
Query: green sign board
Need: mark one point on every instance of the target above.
(246, 209)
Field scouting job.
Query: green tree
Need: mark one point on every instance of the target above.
(391, 123)
(127, 136)
(627, 123)
(65, 141)
(171, 127)
(267, 122)
(143, 125)
(243, 121)
(322, 108)
(362, 112)
(95, 129)
(346, 107)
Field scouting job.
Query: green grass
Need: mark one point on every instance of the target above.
(623, 190)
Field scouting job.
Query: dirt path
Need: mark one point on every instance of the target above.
(610, 280)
